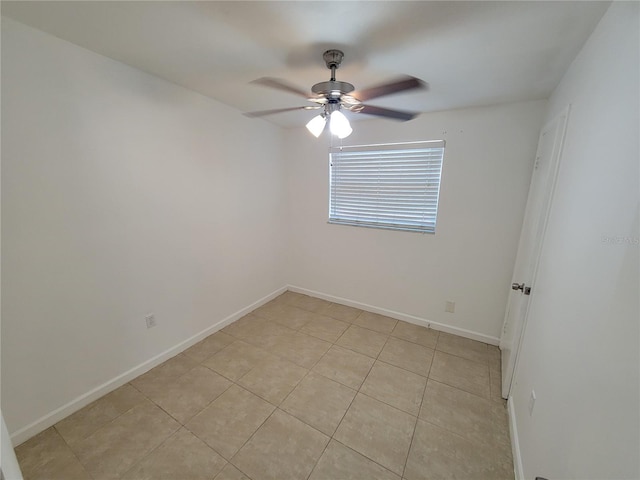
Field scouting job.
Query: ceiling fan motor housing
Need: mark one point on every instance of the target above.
(333, 58)
(332, 88)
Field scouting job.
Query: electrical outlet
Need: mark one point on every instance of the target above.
(150, 320)
(450, 307)
(532, 402)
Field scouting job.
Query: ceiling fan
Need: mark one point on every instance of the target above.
(332, 96)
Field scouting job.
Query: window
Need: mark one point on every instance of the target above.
(393, 186)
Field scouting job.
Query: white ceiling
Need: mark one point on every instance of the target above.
(471, 53)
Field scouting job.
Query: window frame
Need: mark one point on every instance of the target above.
(406, 203)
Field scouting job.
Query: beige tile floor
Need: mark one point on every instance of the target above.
(299, 389)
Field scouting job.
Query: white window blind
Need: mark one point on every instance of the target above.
(393, 186)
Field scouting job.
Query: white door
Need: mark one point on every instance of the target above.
(531, 236)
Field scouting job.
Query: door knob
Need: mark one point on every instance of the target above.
(520, 286)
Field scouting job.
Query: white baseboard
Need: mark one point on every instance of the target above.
(515, 445)
(76, 404)
(462, 332)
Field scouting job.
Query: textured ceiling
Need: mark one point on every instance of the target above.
(470, 53)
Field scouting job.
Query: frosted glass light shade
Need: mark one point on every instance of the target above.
(316, 125)
(339, 125)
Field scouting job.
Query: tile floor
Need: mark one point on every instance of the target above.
(299, 389)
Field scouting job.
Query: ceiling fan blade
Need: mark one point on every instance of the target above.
(399, 85)
(385, 112)
(263, 113)
(281, 85)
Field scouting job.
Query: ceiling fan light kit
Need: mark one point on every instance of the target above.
(339, 125)
(316, 125)
(334, 95)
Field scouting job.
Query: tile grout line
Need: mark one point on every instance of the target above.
(72, 450)
(489, 401)
(180, 376)
(230, 460)
(415, 426)
(251, 436)
(462, 437)
(362, 393)
(487, 360)
(332, 437)
(401, 368)
(388, 336)
(183, 425)
(334, 343)
(124, 474)
(99, 428)
(277, 407)
(114, 419)
(368, 458)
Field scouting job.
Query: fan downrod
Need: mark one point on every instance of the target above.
(332, 89)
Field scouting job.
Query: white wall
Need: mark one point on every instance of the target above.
(122, 194)
(581, 347)
(487, 167)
